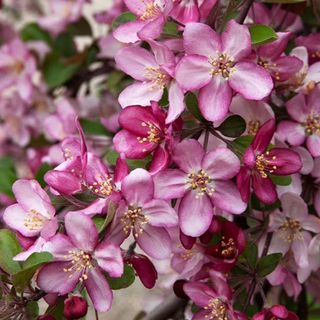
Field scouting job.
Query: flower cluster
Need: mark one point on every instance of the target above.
(182, 147)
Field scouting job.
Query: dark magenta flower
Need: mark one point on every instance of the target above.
(276, 312)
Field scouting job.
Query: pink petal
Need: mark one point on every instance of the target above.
(30, 195)
(49, 229)
(312, 223)
(155, 241)
(53, 278)
(194, 68)
(152, 29)
(137, 7)
(188, 155)
(59, 246)
(274, 49)
(293, 206)
(140, 93)
(215, 99)
(162, 53)
(195, 214)
(236, 40)
(134, 60)
(160, 160)
(244, 183)
(109, 258)
(221, 163)
(297, 108)
(99, 290)
(201, 39)
(128, 32)
(300, 252)
(160, 214)
(313, 145)
(251, 81)
(176, 102)
(82, 231)
(263, 137)
(227, 197)
(138, 187)
(170, 184)
(264, 189)
(200, 293)
(292, 132)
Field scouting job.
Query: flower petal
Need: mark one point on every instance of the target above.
(264, 189)
(128, 32)
(176, 102)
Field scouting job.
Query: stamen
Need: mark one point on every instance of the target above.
(312, 125)
(152, 10)
(34, 220)
(154, 133)
(264, 165)
(218, 310)
(158, 77)
(134, 219)
(253, 127)
(200, 181)
(290, 230)
(222, 65)
(103, 185)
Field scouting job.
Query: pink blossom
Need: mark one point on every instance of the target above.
(216, 65)
(144, 132)
(291, 226)
(145, 215)
(259, 163)
(202, 181)
(34, 213)
(17, 67)
(311, 43)
(305, 113)
(79, 258)
(276, 312)
(153, 72)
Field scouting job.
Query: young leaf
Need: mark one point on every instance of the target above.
(250, 254)
(91, 127)
(125, 281)
(33, 32)
(242, 143)
(261, 34)
(9, 247)
(123, 18)
(234, 126)
(7, 175)
(192, 105)
(281, 180)
(268, 263)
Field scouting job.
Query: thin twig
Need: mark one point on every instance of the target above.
(244, 10)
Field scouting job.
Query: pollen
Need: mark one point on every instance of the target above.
(135, 220)
(223, 65)
(187, 255)
(80, 262)
(253, 127)
(34, 220)
(290, 230)
(151, 11)
(264, 165)
(103, 185)
(200, 182)
(218, 310)
(67, 154)
(312, 125)
(154, 134)
(158, 77)
(228, 248)
(17, 67)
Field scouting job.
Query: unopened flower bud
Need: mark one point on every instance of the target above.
(46, 317)
(75, 308)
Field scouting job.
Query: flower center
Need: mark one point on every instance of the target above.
(222, 65)
(312, 125)
(290, 230)
(187, 254)
(228, 248)
(200, 182)
(17, 67)
(158, 77)
(253, 127)
(134, 219)
(154, 134)
(151, 10)
(34, 220)
(218, 310)
(264, 165)
(80, 262)
(103, 185)
(316, 54)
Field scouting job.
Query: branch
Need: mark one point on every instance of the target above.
(167, 309)
(244, 10)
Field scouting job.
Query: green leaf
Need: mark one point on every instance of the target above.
(242, 143)
(170, 28)
(9, 247)
(193, 107)
(32, 310)
(45, 167)
(91, 127)
(261, 34)
(65, 45)
(56, 310)
(125, 281)
(29, 267)
(33, 32)
(7, 175)
(250, 254)
(80, 28)
(123, 18)
(281, 180)
(234, 126)
(268, 263)
(114, 78)
(56, 72)
(112, 157)
(102, 222)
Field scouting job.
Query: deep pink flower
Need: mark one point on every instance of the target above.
(276, 312)
(145, 215)
(216, 65)
(144, 132)
(75, 307)
(259, 162)
(17, 67)
(34, 213)
(291, 226)
(271, 57)
(80, 258)
(305, 113)
(312, 43)
(202, 181)
(151, 17)
(316, 184)
(153, 72)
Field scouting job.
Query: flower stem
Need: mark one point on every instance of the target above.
(244, 10)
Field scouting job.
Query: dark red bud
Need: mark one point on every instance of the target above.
(144, 269)
(75, 307)
(46, 317)
(178, 289)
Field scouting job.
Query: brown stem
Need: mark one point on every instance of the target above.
(244, 10)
